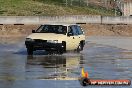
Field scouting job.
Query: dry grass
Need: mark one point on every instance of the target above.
(39, 8)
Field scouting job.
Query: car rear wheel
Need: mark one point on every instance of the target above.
(79, 48)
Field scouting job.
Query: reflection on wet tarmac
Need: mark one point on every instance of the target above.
(53, 67)
(17, 70)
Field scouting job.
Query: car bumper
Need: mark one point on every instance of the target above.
(43, 46)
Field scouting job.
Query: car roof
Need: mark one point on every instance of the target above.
(64, 24)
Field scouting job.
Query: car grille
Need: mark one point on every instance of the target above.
(40, 41)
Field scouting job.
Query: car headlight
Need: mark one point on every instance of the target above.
(29, 39)
(52, 41)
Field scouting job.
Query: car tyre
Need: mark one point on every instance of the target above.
(29, 51)
(79, 48)
(60, 51)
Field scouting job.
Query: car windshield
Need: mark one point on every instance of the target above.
(58, 29)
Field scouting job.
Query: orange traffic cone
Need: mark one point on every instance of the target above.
(84, 74)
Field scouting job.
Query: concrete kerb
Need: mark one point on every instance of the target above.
(64, 19)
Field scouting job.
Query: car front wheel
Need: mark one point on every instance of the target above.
(60, 51)
(29, 51)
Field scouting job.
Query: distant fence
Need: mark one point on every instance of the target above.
(64, 19)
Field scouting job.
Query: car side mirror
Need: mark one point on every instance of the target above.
(70, 34)
(33, 31)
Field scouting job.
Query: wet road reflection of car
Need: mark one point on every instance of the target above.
(53, 67)
(17, 70)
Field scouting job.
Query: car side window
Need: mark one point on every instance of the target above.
(75, 32)
(70, 31)
(80, 32)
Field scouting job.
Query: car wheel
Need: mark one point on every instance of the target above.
(82, 45)
(29, 51)
(60, 51)
(79, 48)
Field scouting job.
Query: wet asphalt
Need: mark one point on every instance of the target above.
(101, 60)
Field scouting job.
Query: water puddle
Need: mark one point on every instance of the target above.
(101, 61)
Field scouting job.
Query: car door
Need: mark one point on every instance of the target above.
(72, 38)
